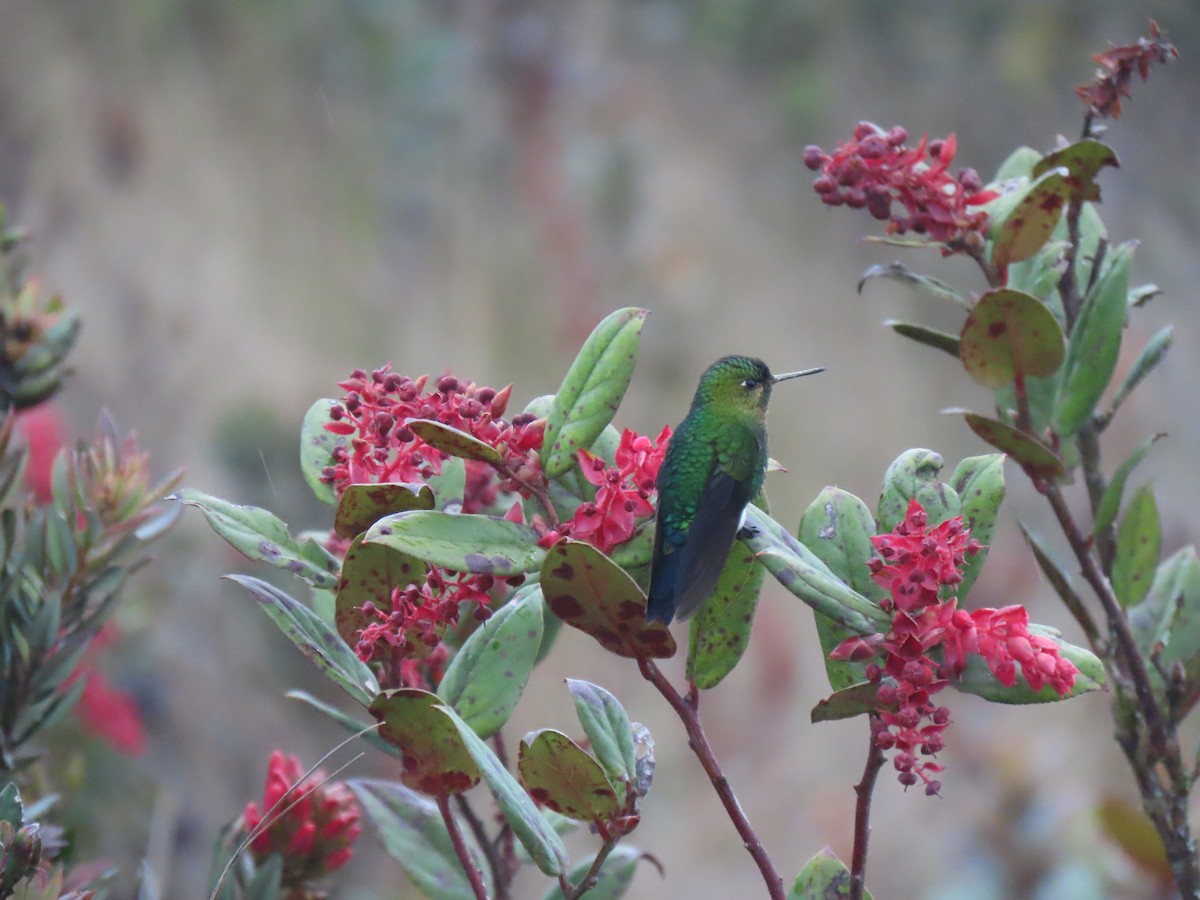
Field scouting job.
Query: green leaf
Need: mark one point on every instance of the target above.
(450, 485)
(719, 633)
(824, 877)
(1040, 274)
(914, 474)
(369, 573)
(561, 776)
(592, 389)
(316, 449)
(529, 826)
(588, 591)
(608, 729)
(480, 544)
(800, 571)
(1094, 344)
(616, 874)
(1130, 828)
(412, 832)
(978, 679)
(1174, 588)
(845, 703)
(1083, 160)
(315, 639)
(454, 442)
(979, 483)
(1025, 229)
(260, 535)
(838, 527)
(435, 759)
(1110, 502)
(935, 287)
(938, 340)
(12, 810)
(1010, 335)
(1057, 576)
(1152, 354)
(362, 505)
(1139, 540)
(1038, 460)
(265, 883)
(1018, 164)
(485, 680)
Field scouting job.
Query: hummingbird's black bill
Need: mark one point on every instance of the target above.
(775, 379)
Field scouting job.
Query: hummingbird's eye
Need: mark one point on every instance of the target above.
(750, 384)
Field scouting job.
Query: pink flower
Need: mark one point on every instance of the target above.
(44, 433)
(877, 170)
(103, 710)
(313, 825)
(914, 563)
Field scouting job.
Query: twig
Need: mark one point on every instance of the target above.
(862, 815)
(686, 709)
(501, 874)
(460, 848)
(593, 873)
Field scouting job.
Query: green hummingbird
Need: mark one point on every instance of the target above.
(715, 464)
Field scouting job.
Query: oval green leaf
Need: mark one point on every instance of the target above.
(370, 572)
(978, 679)
(608, 729)
(1083, 160)
(1031, 222)
(719, 633)
(316, 449)
(435, 760)
(914, 475)
(362, 505)
(561, 776)
(1010, 334)
(480, 544)
(853, 700)
(616, 874)
(824, 877)
(1139, 540)
(979, 483)
(454, 442)
(1038, 460)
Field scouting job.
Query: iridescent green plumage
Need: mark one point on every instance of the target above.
(715, 464)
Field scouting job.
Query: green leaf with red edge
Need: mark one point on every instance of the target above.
(314, 638)
(1095, 343)
(413, 833)
(1031, 454)
(435, 760)
(930, 337)
(463, 543)
(719, 633)
(824, 877)
(485, 679)
(914, 475)
(608, 729)
(1031, 222)
(454, 442)
(616, 874)
(529, 826)
(1083, 160)
(979, 483)
(837, 527)
(592, 390)
(1010, 334)
(853, 700)
(588, 591)
(316, 449)
(362, 505)
(260, 535)
(369, 573)
(1139, 541)
(561, 776)
(1129, 827)
(978, 679)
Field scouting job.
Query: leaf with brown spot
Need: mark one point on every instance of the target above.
(560, 775)
(1139, 540)
(1010, 334)
(362, 505)
(1032, 220)
(462, 543)
(1031, 454)
(1083, 160)
(435, 760)
(719, 633)
(454, 442)
(369, 573)
(914, 475)
(316, 449)
(588, 591)
(824, 877)
(853, 700)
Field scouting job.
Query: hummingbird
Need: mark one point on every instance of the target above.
(715, 465)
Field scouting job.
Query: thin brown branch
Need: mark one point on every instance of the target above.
(593, 873)
(460, 848)
(501, 874)
(862, 815)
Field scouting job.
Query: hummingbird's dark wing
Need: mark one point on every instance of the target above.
(692, 540)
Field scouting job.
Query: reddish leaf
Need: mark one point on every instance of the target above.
(561, 776)
(362, 505)
(1031, 454)
(435, 759)
(1031, 221)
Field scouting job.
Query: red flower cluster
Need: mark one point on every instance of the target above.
(312, 825)
(1117, 65)
(914, 563)
(622, 492)
(382, 448)
(876, 169)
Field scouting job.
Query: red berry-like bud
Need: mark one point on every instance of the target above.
(896, 136)
(855, 199)
(873, 147)
(879, 203)
(933, 789)
(447, 384)
(825, 185)
(864, 130)
(834, 199)
(813, 157)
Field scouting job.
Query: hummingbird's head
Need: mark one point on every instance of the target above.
(740, 383)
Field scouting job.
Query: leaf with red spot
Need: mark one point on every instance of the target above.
(1010, 334)
(362, 505)
(1082, 160)
(561, 776)
(435, 759)
(719, 633)
(369, 573)
(588, 591)
(1031, 454)
(453, 442)
(1032, 220)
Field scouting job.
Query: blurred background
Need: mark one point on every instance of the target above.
(248, 200)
